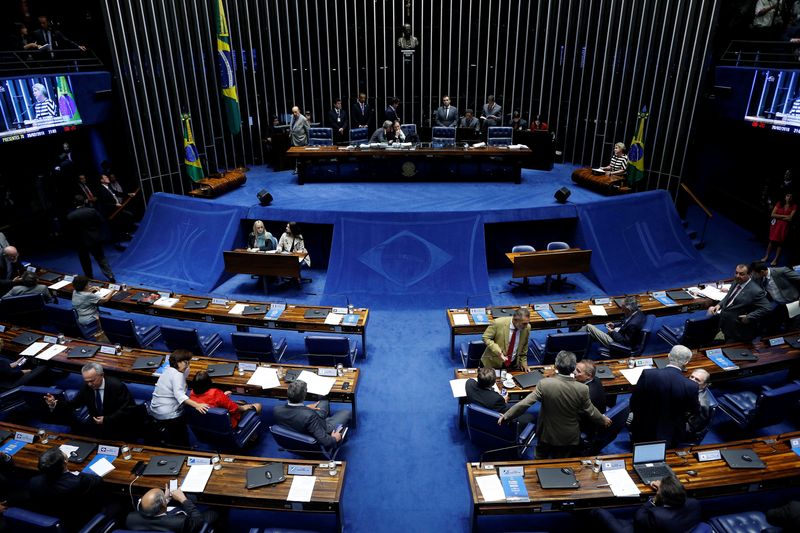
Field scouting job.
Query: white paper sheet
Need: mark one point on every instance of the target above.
(166, 302)
(632, 374)
(59, 285)
(459, 387)
(621, 483)
(266, 378)
(318, 385)
(460, 319)
(67, 449)
(334, 319)
(714, 293)
(301, 489)
(102, 467)
(34, 348)
(598, 310)
(491, 488)
(237, 309)
(793, 308)
(196, 478)
(103, 292)
(51, 352)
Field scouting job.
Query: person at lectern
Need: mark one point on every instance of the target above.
(259, 240)
(619, 162)
(447, 115)
(292, 241)
(382, 134)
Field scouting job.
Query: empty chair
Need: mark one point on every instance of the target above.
(520, 248)
(560, 281)
(471, 353)
(214, 428)
(771, 406)
(484, 432)
(178, 337)
(123, 331)
(576, 342)
(741, 522)
(23, 310)
(300, 443)
(499, 135)
(593, 443)
(62, 320)
(695, 332)
(320, 137)
(620, 350)
(328, 350)
(258, 347)
(442, 137)
(24, 521)
(359, 136)
(409, 130)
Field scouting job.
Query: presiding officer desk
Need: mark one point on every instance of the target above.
(714, 478)
(549, 262)
(292, 318)
(121, 366)
(271, 263)
(225, 487)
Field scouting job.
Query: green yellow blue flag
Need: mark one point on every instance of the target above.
(66, 102)
(636, 151)
(191, 158)
(227, 71)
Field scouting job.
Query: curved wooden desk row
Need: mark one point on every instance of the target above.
(292, 318)
(121, 366)
(226, 487)
(714, 478)
(770, 359)
(581, 317)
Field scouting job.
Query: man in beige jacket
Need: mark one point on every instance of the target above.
(500, 353)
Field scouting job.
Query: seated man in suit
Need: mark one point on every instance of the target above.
(506, 342)
(628, 333)
(10, 266)
(483, 393)
(741, 309)
(153, 514)
(469, 121)
(381, 135)
(670, 510)
(697, 423)
(584, 373)
(312, 419)
(782, 285)
(28, 285)
(111, 407)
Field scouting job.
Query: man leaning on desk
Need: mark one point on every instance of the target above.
(506, 342)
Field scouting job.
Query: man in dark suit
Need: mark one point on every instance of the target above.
(585, 373)
(663, 399)
(107, 399)
(312, 419)
(390, 113)
(13, 375)
(483, 393)
(361, 112)
(565, 402)
(337, 118)
(10, 266)
(670, 510)
(782, 285)
(85, 226)
(56, 40)
(153, 514)
(447, 115)
(628, 333)
(741, 309)
(82, 188)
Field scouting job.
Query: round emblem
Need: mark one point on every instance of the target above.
(408, 169)
(191, 153)
(636, 152)
(225, 69)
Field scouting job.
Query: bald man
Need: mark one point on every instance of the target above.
(299, 128)
(153, 515)
(10, 266)
(697, 424)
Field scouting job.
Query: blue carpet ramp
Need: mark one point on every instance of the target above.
(179, 243)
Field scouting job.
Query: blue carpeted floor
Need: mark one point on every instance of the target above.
(406, 458)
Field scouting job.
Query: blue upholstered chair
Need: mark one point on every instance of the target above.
(24, 521)
(695, 332)
(123, 331)
(593, 443)
(320, 348)
(499, 135)
(359, 136)
(443, 137)
(620, 350)
(178, 337)
(560, 281)
(26, 397)
(214, 428)
(300, 443)
(519, 249)
(745, 522)
(713, 405)
(23, 310)
(770, 406)
(576, 342)
(409, 130)
(320, 137)
(258, 347)
(62, 320)
(484, 432)
(471, 353)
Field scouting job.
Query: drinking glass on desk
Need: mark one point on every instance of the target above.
(215, 461)
(43, 436)
(126, 452)
(332, 469)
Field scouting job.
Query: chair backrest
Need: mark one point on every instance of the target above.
(359, 135)
(522, 248)
(62, 320)
(315, 359)
(255, 346)
(296, 442)
(320, 136)
(774, 405)
(475, 351)
(557, 245)
(120, 330)
(576, 342)
(499, 135)
(483, 430)
(647, 329)
(23, 310)
(214, 427)
(603, 437)
(327, 344)
(442, 136)
(177, 337)
(19, 520)
(408, 130)
(699, 332)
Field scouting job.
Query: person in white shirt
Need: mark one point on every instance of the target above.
(292, 241)
(169, 398)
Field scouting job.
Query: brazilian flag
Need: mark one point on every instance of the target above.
(227, 72)
(66, 102)
(636, 151)
(191, 158)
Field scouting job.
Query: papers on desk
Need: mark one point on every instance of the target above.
(51, 352)
(67, 450)
(620, 483)
(460, 319)
(34, 348)
(598, 310)
(713, 293)
(237, 309)
(478, 145)
(598, 171)
(166, 302)
(459, 387)
(196, 478)
(516, 146)
(351, 320)
(334, 319)
(101, 466)
(318, 385)
(275, 311)
(301, 489)
(793, 308)
(491, 488)
(632, 374)
(266, 378)
(59, 285)
(103, 292)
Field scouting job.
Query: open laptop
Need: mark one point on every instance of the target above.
(649, 461)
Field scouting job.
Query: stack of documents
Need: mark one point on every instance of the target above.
(318, 385)
(491, 488)
(620, 482)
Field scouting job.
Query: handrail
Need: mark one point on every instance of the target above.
(28, 61)
(697, 200)
(761, 54)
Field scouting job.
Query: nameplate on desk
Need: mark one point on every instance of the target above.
(69, 279)
(165, 294)
(191, 461)
(477, 310)
(108, 350)
(114, 286)
(541, 307)
(336, 329)
(24, 437)
(709, 455)
(247, 367)
(31, 269)
(105, 449)
(269, 324)
(219, 301)
(511, 471)
(777, 341)
(684, 309)
(617, 464)
(647, 361)
(328, 372)
(339, 310)
(50, 339)
(300, 470)
(602, 301)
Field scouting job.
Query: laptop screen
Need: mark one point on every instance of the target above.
(649, 452)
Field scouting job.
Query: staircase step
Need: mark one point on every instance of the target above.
(697, 243)
(684, 223)
(692, 234)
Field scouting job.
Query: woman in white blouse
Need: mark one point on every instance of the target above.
(169, 397)
(292, 241)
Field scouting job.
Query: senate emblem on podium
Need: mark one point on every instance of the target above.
(409, 169)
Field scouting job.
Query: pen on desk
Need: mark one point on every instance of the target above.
(604, 485)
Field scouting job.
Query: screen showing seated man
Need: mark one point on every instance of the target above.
(36, 106)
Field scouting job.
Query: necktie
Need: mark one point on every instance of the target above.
(363, 110)
(88, 193)
(98, 402)
(510, 351)
(734, 293)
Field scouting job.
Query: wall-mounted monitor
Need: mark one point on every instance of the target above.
(774, 101)
(35, 106)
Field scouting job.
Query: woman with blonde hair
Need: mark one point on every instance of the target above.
(260, 240)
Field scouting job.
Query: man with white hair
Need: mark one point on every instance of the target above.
(663, 399)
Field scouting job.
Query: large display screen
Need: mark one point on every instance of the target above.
(36, 106)
(774, 101)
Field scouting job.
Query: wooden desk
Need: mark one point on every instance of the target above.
(770, 359)
(226, 487)
(121, 366)
(241, 261)
(548, 262)
(490, 163)
(714, 478)
(601, 183)
(292, 318)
